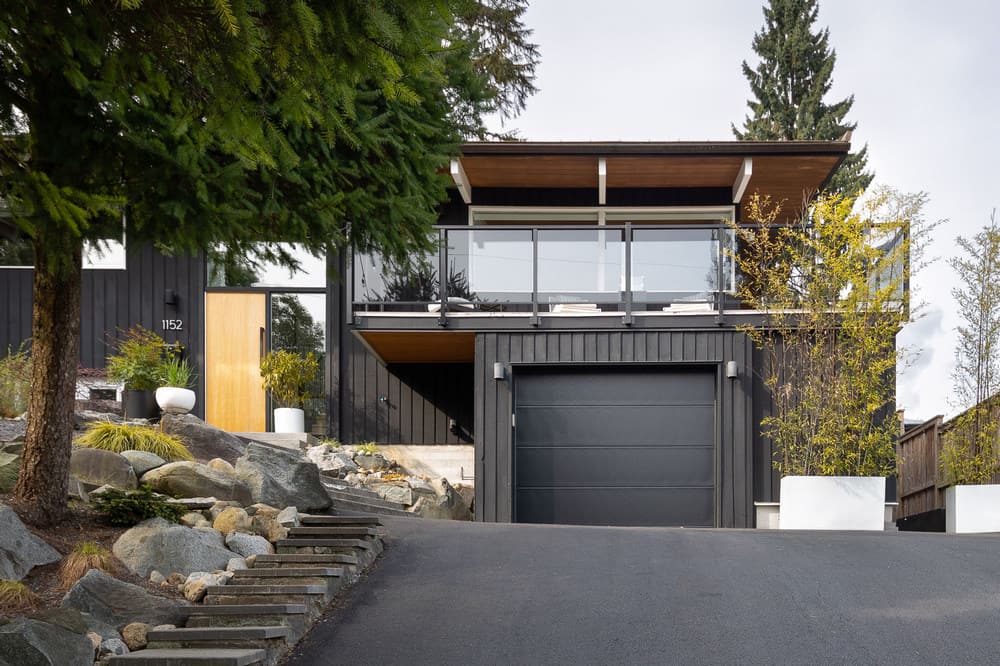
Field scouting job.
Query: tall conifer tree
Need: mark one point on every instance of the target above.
(789, 86)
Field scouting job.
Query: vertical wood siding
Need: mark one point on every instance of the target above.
(405, 403)
(737, 430)
(114, 300)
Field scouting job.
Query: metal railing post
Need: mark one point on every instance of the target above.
(627, 319)
(443, 276)
(719, 304)
(534, 276)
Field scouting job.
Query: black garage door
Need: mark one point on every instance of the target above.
(614, 446)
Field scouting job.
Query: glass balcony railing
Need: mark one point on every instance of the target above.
(555, 269)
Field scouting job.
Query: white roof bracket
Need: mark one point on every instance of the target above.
(602, 181)
(461, 180)
(742, 179)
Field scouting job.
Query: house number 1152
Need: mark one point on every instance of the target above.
(173, 324)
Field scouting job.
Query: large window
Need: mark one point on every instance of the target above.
(232, 270)
(105, 254)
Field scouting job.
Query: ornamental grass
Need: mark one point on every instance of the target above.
(126, 437)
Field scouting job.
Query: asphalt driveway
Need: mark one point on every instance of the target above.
(464, 593)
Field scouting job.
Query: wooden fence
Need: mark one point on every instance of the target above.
(918, 472)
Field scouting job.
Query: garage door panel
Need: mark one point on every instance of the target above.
(602, 425)
(618, 506)
(629, 387)
(620, 465)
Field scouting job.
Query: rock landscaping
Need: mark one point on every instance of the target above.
(241, 575)
(360, 479)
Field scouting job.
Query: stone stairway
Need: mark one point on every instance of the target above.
(348, 500)
(267, 608)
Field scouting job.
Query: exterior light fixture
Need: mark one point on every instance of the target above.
(732, 370)
(499, 371)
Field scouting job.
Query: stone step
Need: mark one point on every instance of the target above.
(293, 616)
(300, 542)
(354, 491)
(364, 496)
(369, 520)
(275, 640)
(198, 657)
(298, 559)
(344, 506)
(331, 577)
(312, 596)
(337, 531)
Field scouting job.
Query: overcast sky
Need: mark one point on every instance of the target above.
(925, 76)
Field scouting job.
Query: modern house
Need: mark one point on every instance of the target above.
(577, 323)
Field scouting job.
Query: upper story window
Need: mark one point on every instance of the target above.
(232, 270)
(105, 254)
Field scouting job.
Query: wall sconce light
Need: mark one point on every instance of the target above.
(499, 371)
(170, 297)
(732, 370)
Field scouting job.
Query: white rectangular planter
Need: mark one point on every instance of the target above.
(833, 503)
(969, 509)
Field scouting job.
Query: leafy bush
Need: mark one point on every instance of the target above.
(129, 507)
(368, 449)
(16, 595)
(15, 382)
(177, 372)
(85, 556)
(287, 376)
(139, 362)
(126, 437)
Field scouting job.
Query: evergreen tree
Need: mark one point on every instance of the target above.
(221, 123)
(789, 85)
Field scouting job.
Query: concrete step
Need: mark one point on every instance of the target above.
(293, 616)
(189, 657)
(368, 520)
(300, 559)
(336, 531)
(275, 640)
(374, 502)
(344, 506)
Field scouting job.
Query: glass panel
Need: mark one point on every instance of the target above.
(487, 266)
(107, 254)
(684, 216)
(677, 265)
(233, 270)
(379, 281)
(298, 324)
(580, 266)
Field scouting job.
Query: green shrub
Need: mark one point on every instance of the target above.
(127, 437)
(177, 372)
(139, 362)
(368, 449)
(15, 382)
(129, 507)
(287, 376)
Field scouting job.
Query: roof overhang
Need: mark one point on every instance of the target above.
(790, 172)
(421, 346)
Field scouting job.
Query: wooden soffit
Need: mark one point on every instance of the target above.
(421, 346)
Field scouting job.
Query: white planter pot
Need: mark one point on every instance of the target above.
(970, 509)
(289, 419)
(174, 400)
(833, 503)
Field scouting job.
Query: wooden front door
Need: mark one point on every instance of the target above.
(235, 326)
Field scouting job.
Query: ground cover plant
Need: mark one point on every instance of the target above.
(120, 437)
(130, 507)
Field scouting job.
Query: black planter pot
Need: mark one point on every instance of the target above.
(140, 404)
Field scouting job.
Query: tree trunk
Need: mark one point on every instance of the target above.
(44, 478)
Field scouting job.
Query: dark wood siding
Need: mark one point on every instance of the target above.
(411, 403)
(114, 300)
(736, 429)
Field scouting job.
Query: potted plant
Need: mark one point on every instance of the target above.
(138, 366)
(287, 377)
(175, 395)
(831, 289)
